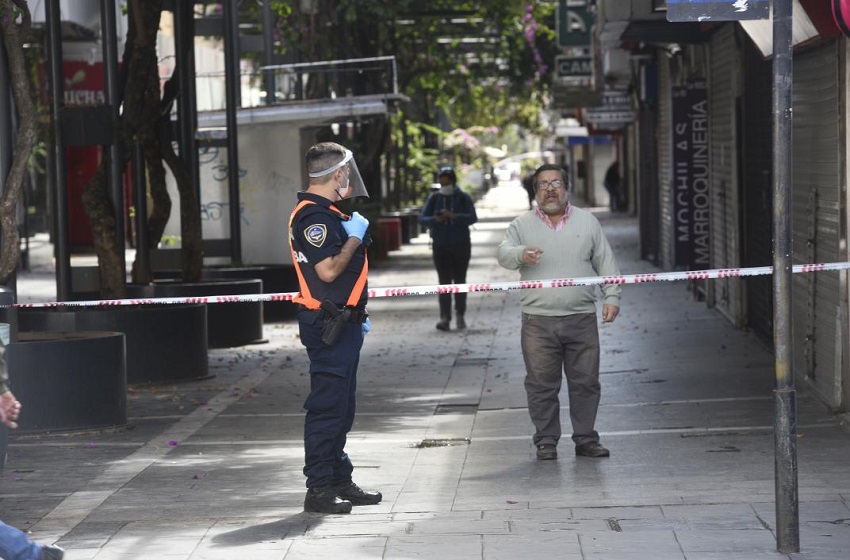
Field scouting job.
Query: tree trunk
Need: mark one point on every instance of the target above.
(101, 215)
(191, 243)
(145, 119)
(191, 253)
(140, 113)
(13, 38)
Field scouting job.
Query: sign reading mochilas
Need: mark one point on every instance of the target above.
(715, 10)
(691, 196)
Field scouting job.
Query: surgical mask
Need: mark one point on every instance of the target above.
(344, 190)
(447, 190)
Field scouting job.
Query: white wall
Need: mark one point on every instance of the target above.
(270, 176)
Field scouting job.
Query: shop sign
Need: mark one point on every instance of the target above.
(716, 10)
(691, 175)
(575, 24)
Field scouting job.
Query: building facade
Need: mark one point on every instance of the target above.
(702, 170)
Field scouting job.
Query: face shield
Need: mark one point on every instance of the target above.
(351, 187)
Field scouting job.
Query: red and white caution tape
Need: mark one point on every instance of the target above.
(467, 288)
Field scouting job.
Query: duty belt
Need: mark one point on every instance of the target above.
(353, 315)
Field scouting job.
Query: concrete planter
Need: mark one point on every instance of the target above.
(276, 279)
(228, 324)
(69, 380)
(165, 343)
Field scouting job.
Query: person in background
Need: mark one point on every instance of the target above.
(447, 214)
(559, 331)
(612, 185)
(14, 543)
(329, 254)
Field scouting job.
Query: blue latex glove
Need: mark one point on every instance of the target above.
(356, 226)
(367, 326)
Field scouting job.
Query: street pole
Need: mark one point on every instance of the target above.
(233, 96)
(62, 246)
(785, 397)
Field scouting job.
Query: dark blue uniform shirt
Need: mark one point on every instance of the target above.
(317, 234)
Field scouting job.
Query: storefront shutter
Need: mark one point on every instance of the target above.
(665, 164)
(818, 144)
(757, 190)
(723, 114)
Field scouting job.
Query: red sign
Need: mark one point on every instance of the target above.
(83, 83)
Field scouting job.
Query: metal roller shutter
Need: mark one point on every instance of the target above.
(757, 190)
(816, 214)
(723, 99)
(647, 171)
(665, 164)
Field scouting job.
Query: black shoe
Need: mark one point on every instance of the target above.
(461, 324)
(592, 449)
(443, 324)
(546, 452)
(52, 553)
(357, 496)
(323, 499)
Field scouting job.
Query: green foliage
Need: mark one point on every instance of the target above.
(470, 59)
(421, 160)
(468, 65)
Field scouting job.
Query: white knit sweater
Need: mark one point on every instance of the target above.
(580, 249)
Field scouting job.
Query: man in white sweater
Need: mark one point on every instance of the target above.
(559, 331)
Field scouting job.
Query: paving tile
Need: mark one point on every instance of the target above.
(434, 547)
(357, 548)
(537, 545)
(719, 540)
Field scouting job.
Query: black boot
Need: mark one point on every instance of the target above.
(356, 495)
(461, 323)
(323, 499)
(443, 324)
(52, 553)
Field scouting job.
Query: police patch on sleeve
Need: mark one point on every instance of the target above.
(316, 234)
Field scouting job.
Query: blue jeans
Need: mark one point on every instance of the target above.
(15, 545)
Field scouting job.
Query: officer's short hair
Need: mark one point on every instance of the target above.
(323, 156)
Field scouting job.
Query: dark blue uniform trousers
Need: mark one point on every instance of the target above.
(331, 404)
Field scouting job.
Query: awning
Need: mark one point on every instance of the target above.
(663, 32)
(812, 20)
(324, 111)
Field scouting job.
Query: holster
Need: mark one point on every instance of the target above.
(333, 321)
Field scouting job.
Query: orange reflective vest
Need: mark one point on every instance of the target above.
(304, 297)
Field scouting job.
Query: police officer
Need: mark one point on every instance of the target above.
(329, 253)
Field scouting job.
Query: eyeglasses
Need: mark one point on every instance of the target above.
(546, 185)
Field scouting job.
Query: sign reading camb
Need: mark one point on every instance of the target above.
(691, 197)
(574, 66)
(716, 10)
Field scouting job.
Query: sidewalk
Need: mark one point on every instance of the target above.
(211, 469)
